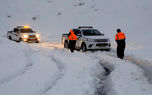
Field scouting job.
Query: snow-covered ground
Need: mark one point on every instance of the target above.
(48, 69)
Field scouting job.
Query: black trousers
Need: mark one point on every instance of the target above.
(72, 45)
(121, 48)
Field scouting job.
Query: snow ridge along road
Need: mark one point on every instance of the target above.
(17, 73)
(34, 79)
(19, 66)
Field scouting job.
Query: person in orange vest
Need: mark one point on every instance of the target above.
(120, 39)
(72, 40)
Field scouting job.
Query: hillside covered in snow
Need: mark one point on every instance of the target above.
(47, 68)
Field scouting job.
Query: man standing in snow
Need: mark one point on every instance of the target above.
(120, 39)
(72, 40)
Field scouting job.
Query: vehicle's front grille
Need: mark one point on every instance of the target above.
(101, 40)
(32, 36)
(102, 44)
(32, 39)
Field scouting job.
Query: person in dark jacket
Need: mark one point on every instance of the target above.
(72, 40)
(121, 44)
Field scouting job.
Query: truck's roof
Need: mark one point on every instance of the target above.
(84, 28)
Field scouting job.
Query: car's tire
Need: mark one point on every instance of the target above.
(108, 50)
(83, 47)
(19, 40)
(37, 41)
(10, 38)
(66, 44)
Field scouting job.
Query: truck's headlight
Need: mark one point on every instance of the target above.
(25, 36)
(37, 35)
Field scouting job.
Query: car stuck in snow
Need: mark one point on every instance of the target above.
(23, 33)
(88, 39)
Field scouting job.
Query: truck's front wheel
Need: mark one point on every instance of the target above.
(83, 48)
(66, 44)
(19, 40)
(10, 37)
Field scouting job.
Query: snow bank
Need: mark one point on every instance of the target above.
(13, 59)
(34, 79)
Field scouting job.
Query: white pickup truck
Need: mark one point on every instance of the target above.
(23, 33)
(88, 39)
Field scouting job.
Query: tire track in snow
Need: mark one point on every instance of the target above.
(61, 68)
(143, 64)
(57, 76)
(105, 82)
(19, 72)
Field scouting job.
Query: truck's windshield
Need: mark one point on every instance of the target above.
(91, 32)
(27, 31)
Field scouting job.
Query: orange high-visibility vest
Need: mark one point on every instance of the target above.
(120, 36)
(72, 36)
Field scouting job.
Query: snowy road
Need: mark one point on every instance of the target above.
(48, 69)
(52, 71)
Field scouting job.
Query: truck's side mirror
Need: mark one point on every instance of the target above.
(102, 34)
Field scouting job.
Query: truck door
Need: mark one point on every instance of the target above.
(79, 41)
(15, 34)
